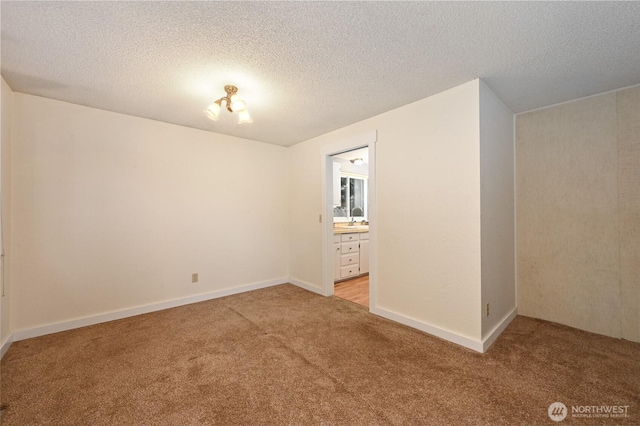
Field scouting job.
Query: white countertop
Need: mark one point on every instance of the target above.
(350, 229)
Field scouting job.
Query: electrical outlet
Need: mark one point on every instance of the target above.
(487, 309)
(194, 278)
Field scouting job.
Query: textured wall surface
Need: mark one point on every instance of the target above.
(7, 132)
(628, 108)
(577, 213)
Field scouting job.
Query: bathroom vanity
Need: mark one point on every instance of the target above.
(351, 252)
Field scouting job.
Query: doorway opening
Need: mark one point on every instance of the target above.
(349, 229)
(351, 225)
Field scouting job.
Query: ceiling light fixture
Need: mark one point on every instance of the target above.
(233, 104)
(357, 161)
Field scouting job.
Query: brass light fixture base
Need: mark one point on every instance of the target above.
(231, 90)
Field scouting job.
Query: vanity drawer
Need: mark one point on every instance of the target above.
(351, 259)
(349, 271)
(364, 235)
(349, 237)
(348, 248)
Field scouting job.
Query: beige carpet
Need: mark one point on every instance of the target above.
(283, 355)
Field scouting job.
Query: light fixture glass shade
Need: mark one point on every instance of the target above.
(244, 117)
(231, 103)
(213, 111)
(238, 105)
(357, 161)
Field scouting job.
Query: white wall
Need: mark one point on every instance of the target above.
(5, 181)
(112, 211)
(497, 209)
(428, 209)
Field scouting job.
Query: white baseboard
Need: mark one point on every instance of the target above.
(428, 328)
(139, 310)
(448, 335)
(307, 286)
(498, 329)
(5, 345)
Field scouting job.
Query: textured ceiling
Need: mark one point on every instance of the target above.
(306, 68)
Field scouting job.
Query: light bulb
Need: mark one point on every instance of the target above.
(212, 111)
(244, 117)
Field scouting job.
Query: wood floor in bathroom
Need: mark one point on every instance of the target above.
(355, 290)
